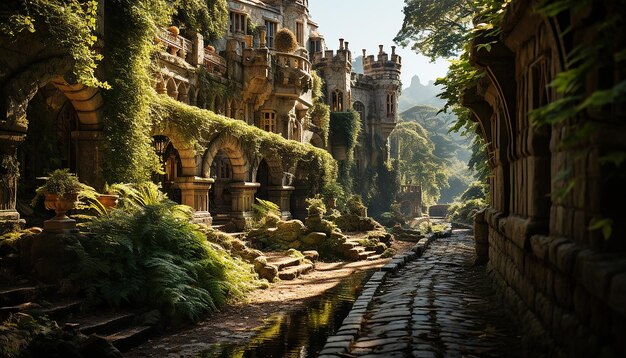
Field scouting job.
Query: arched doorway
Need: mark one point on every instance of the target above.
(222, 172)
(48, 145)
(263, 178)
(171, 165)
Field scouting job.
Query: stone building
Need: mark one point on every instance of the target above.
(543, 252)
(241, 76)
(373, 94)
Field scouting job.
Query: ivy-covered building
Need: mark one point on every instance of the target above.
(134, 114)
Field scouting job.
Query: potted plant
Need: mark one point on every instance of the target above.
(60, 194)
(109, 199)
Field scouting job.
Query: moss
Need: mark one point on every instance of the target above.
(194, 124)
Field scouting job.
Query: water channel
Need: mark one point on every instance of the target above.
(303, 332)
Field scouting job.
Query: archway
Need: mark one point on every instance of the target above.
(172, 166)
(263, 178)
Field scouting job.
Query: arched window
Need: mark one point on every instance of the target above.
(391, 104)
(360, 108)
(337, 101)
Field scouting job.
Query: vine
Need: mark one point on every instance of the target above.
(66, 24)
(320, 112)
(194, 124)
(345, 127)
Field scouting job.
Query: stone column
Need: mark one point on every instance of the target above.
(481, 238)
(242, 199)
(281, 196)
(9, 175)
(197, 53)
(88, 146)
(195, 193)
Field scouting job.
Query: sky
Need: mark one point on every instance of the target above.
(365, 24)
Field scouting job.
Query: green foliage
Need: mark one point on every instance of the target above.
(320, 111)
(265, 213)
(417, 162)
(285, 41)
(64, 184)
(128, 152)
(315, 207)
(436, 28)
(345, 128)
(152, 256)
(66, 24)
(194, 124)
(208, 17)
(355, 205)
(464, 211)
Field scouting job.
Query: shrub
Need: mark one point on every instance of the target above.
(464, 212)
(315, 207)
(285, 41)
(152, 256)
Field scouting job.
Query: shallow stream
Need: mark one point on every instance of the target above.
(303, 332)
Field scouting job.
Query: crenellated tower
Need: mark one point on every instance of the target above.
(336, 69)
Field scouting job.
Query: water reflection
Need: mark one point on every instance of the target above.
(302, 333)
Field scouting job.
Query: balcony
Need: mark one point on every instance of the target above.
(183, 49)
(176, 45)
(292, 75)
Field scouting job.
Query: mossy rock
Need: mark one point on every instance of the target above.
(314, 238)
(268, 272)
(259, 263)
(317, 223)
(288, 230)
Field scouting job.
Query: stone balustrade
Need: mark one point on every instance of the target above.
(176, 45)
(293, 61)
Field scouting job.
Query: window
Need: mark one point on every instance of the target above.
(360, 108)
(268, 121)
(337, 101)
(300, 32)
(391, 104)
(315, 46)
(238, 23)
(271, 32)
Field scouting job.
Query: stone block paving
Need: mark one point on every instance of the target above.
(439, 305)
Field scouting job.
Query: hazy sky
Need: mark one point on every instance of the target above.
(365, 24)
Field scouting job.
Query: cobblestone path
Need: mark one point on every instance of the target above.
(439, 305)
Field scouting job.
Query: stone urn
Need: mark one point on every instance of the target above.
(210, 48)
(61, 223)
(109, 201)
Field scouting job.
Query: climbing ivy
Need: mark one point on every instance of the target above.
(320, 111)
(66, 24)
(345, 128)
(195, 124)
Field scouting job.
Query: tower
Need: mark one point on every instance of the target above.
(336, 71)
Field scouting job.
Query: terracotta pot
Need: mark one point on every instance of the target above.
(60, 204)
(109, 201)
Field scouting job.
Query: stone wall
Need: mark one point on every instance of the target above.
(562, 277)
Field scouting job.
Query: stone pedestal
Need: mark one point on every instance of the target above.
(60, 226)
(241, 203)
(195, 193)
(9, 173)
(281, 196)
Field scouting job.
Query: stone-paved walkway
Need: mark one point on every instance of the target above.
(439, 305)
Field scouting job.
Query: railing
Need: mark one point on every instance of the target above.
(176, 45)
(293, 61)
(214, 62)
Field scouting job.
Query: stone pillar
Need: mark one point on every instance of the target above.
(195, 193)
(88, 146)
(481, 238)
(242, 199)
(281, 196)
(197, 53)
(262, 36)
(9, 175)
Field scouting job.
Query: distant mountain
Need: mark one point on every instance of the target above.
(357, 64)
(417, 93)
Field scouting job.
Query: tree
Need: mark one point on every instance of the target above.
(437, 28)
(208, 17)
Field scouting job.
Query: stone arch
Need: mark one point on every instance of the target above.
(275, 167)
(186, 152)
(232, 148)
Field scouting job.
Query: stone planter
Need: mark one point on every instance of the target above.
(109, 201)
(61, 223)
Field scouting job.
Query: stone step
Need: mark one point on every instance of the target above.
(282, 262)
(364, 255)
(57, 310)
(293, 272)
(102, 324)
(129, 337)
(13, 296)
(311, 255)
(348, 245)
(374, 257)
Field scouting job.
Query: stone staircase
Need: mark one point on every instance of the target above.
(122, 329)
(290, 268)
(353, 250)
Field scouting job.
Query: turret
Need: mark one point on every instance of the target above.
(336, 69)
